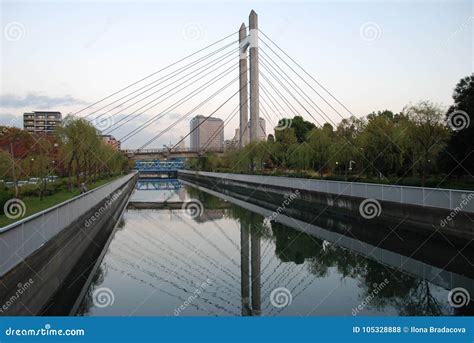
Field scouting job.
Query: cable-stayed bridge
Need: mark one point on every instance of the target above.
(244, 74)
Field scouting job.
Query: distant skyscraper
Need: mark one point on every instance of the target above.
(262, 134)
(208, 133)
(41, 121)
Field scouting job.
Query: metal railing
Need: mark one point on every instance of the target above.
(449, 199)
(174, 150)
(20, 239)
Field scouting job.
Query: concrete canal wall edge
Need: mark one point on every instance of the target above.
(429, 209)
(34, 282)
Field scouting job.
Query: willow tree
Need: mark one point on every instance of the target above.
(428, 133)
(77, 137)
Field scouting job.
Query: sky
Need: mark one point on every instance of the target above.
(371, 55)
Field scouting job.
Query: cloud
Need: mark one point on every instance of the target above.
(38, 101)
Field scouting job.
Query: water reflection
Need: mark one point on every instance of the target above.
(158, 184)
(158, 260)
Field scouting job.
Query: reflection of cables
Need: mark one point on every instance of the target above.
(148, 76)
(168, 249)
(170, 268)
(152, 285)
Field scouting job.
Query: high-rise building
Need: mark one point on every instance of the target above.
(207, 134)
(41, 121)
(262, 134)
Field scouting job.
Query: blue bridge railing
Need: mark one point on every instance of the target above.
(158, 185)
(158, 166)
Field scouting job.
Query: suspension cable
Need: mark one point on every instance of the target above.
(165, 77)
(160, 96)
(156, 72)
(178, 103)
(318, 83)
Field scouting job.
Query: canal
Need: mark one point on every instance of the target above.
(180, 250)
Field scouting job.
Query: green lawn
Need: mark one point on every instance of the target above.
(34, 204)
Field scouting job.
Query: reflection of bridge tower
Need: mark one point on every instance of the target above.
(255, 307)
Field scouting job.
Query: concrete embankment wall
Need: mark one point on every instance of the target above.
(53, 250)
(425, 209)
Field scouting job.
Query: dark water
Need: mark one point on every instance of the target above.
(225, 260)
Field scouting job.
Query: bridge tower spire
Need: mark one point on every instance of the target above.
(254, 85)
(244, 107)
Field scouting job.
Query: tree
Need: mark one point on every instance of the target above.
(382, 142)
(346, 146)
(458, 158)
(320, 148)
(428, 133)
(301, 127)
(284, 139)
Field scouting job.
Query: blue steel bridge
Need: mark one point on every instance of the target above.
(158, 166)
